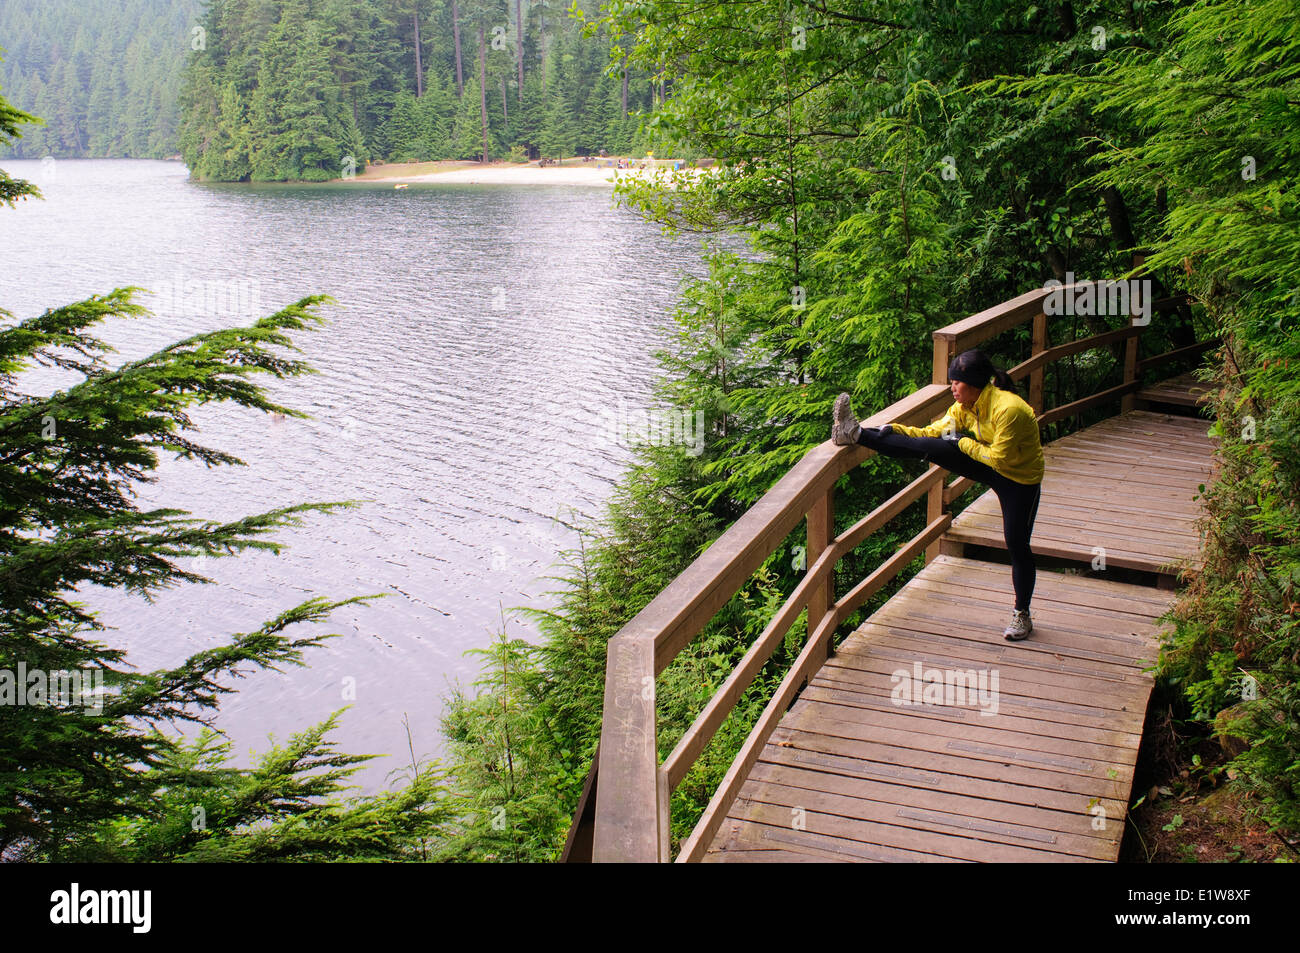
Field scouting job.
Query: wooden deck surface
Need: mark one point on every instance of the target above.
(852, 774)
(1126, 485)
(1186, 390)
(1039, 767)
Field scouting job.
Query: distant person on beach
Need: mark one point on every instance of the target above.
(1002, 450)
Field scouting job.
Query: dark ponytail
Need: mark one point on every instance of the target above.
(973, 367)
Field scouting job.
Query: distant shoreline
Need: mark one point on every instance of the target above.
(601, 172)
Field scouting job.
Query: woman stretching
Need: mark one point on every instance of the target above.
(1002, 450)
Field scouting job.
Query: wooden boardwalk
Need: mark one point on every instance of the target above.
(852, 774)
(1185, 390)
(928, 737)
(1126, 485)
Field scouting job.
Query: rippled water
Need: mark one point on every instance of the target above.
(480, 332)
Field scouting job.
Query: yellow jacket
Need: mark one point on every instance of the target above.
(1005, 429)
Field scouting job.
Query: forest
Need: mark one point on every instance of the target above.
(896, 166)
(268, 90)
(313, 89)
(104, 78)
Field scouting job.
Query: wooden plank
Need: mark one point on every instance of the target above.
(935, 502)
(907, 831)
(932, 780)
(1053, 599)
(1177, 353)
(748, 834)
(889, 652)
(1078, 684)
(1042, 358)
(736, 855)
(967, 333)
(627, 825)
(1017, 703)
(1001, 752)
(780, 783)
(969, 730)
(1130, 373)
(880, 757)
(1055, 534)
(1070, 681)
(1039, 347)
(855, 697)
(1070, 589)
(1078, 644)
(1080, 639)
(578, 843)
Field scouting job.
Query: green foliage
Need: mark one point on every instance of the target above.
(11, 189)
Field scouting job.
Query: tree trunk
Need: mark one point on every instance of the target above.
(482, 88)
(1118, 215)
(519, 43)
(1182, 332)
(624, 86)
(455, 33)
(419, 69)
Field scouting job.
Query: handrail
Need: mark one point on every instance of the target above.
(628, 826)
(631, 820)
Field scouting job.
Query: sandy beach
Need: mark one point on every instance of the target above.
(502, 173)
(524, 175)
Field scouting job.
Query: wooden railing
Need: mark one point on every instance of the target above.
(624, 811)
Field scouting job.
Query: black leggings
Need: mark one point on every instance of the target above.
(1019, 501)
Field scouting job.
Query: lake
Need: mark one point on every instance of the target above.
(482, 338)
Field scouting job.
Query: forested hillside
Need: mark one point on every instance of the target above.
(103, 76)
(312, 89)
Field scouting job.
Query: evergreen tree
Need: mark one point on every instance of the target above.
(437, 110)
(406, 142)
(297, 120)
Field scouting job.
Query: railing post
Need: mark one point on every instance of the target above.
(1129, 401)
(933, 510)
(943, 355)
(821, 530)
(1036, 376)
(944, 347)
